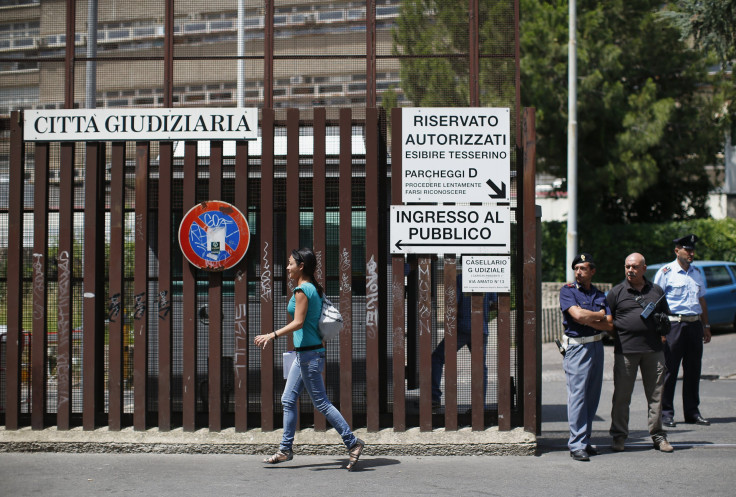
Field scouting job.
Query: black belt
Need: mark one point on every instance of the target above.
(307, 348)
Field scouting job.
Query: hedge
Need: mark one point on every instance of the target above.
(609, 245)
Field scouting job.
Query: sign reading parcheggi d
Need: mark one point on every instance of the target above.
(141, 124)
(456, 154)
(435, 229)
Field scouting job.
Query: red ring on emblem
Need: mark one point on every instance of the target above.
(195, 215)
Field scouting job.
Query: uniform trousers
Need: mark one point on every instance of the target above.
(625, 368)
(583, 366)
(684, 345)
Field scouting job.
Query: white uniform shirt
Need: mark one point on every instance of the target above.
(682, 288)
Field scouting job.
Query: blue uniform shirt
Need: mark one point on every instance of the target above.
(682, 288)
(593, 300)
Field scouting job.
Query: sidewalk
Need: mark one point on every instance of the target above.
(704, 461)
(717, 403)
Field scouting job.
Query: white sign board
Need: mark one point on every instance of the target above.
(456, 154)
(486, 273)
(168, 124)
(450, 229)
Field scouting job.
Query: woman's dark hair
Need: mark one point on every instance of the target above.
(305, 256)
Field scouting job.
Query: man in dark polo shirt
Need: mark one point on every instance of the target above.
(638, 345)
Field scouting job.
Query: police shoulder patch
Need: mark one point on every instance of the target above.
(570, 285)
(665, 269)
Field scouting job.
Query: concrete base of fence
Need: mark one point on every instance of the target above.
(412, 442)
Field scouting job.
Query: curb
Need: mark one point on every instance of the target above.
(412, 442)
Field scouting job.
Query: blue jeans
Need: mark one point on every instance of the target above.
(307, 372)
(584, 373)
(438, 363)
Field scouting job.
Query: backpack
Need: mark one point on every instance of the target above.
(330, 320)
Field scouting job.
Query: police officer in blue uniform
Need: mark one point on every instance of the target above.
(685, 292)
(585, 316)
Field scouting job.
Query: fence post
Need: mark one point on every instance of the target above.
(529, 290)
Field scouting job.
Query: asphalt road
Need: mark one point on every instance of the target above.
(704, 461)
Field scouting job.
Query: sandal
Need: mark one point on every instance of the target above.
(280, 456)
(354, 453)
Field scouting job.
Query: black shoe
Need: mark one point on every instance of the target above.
(669, 422)
(698, 420)
(579, 455)
(591, 450)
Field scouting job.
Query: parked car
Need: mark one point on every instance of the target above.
(720, 282)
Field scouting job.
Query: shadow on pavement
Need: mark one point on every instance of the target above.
(365, 464)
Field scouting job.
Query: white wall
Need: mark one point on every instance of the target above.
(555, 209)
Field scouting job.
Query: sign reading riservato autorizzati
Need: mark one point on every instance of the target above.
(456, 154)
(229, 123)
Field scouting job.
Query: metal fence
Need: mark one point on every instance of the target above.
(107, 324)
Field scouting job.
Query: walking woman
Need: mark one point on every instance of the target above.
(305, 308)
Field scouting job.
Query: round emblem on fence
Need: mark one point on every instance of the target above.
(214, 235)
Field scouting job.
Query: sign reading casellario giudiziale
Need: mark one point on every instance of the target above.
(127, 124)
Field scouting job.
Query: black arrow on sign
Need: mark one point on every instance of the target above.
(500, 192)
(399, 244)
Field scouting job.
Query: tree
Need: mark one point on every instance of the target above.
(710, 24)
(646, 126)
(435, 34)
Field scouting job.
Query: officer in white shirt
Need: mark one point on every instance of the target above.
(684, 288)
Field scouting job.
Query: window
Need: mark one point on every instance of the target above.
(716, 276)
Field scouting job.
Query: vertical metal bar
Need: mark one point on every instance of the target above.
(474, 53)
(169, 54)
(189, 300)
(292, 193)
(240, 359)
(266, 263)
(424, 330)
(268, 47)
(69, 48)
(397, 286)
(93, 331)
(292, 207)
(384, 203)
(65, 272)
(14, 340)
(517, 65)
(214, 369)
(163, 300)
(370, 58)
(477, 392)
(504, 361)
(346, 264)
(451, 292)
(375, 317)
(531, 361)
(116, 300)
(40, 285)
(140, 313)
(320, 216)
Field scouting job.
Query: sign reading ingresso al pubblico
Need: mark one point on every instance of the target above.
(230, 123)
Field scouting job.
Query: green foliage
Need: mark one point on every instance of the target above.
(647, 124)
(610, 245)
(435, 32)
(710, 24)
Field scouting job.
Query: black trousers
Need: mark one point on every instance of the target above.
(684, 345)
